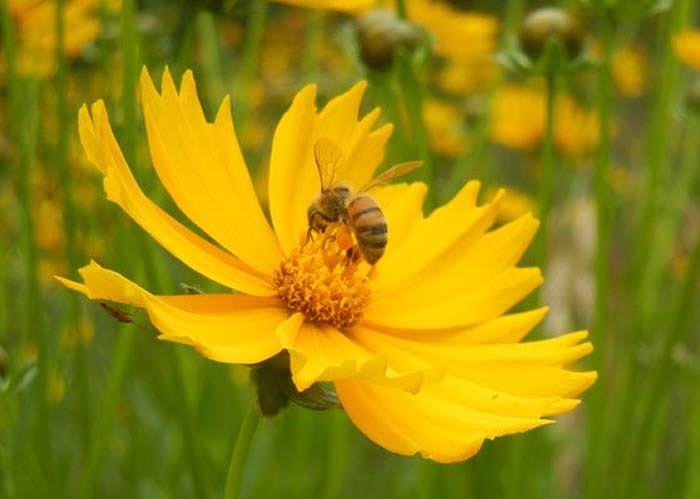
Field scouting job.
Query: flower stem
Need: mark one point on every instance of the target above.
(545, 185)
(659, 373)
(255, 24)
(69, 222)
(240, 451)
(24, 112)
(338, 452)
(412, 92)
(596, 420)
(313, 42)
(125, 342)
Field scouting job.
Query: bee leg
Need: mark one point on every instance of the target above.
(353, 254)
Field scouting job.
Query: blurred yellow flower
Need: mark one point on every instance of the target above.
(350, 6)
(466, 77)
(459, 35)
(445, 128)
(517, 116)
(518, 120)
(630, 70)
(687, 48)
(514, 204)
(35, 25)
(421, 354)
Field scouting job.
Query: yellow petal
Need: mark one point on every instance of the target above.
(471, 307)
(229, 328)
(449, 230)
(103, 151)
(201, 166)
(292, 163)
(322, 353)
(402, 205)
(424, 423)
(484, 260)
(530, 369)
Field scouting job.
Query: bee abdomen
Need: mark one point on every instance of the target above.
(370, 227)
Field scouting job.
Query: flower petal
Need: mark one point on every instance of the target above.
(103, 151)
(322, 353)
(450, 229)
(402, 205)
(229, 328)
(201, 166)
(528, 369)
(471, 307)
(481, 262)
(294, 179)
(436, 427)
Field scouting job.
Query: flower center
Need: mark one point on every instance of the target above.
(325, 281)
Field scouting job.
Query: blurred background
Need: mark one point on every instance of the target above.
(588, 116)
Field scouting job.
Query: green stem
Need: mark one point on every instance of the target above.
(206, 28)
(125, 342)
(240, 451)
(659, 375)
(401, 8)
(311, 62)
(69, 223)
(658, 165)
(255, 24)
(337, 459)
(514, 11)
(103, 427)
(412, 94)
(596, 420)
(656, 177)
(546, 183)
(24, 111)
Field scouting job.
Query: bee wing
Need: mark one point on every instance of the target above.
(388, 175)
(329, 158)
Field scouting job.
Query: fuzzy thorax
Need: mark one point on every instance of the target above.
(323, 281)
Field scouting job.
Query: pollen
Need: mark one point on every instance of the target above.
(325, 281)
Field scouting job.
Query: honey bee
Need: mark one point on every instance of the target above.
(358, 211)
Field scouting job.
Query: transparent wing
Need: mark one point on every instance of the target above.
(388, 175)
(329, 158)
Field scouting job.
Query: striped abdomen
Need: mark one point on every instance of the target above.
(369, 225)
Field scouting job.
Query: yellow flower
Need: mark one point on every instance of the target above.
(519, 120)
(466, 77)
(421, 354)
(687, 47)
(445, 130)
(630, 71)
(36, 31)
(459, 35)
(517, 117)
(514, 204)
(349, 6)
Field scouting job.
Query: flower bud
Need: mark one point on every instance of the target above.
(380, 33)
(550, 23)
(274, 388)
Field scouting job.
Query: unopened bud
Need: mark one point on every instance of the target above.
(550, 23)
(380, 33)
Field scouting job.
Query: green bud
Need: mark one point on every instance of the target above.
(380, 34)
(548, 23)
(274, 388)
